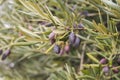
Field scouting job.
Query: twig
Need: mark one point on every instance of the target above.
(82, 55)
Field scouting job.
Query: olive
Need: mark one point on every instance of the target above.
(1, 51)
(67, 48)
(72, 38)
(106, 69)
(5, 54)
(51, 35)
(52, 41)
(61, 52)
(115, 70)
(77, 42)
(103, 61)
(56, 49)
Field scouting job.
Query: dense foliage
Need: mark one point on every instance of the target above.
(60, 39)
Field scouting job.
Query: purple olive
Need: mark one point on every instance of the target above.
(5, 54)
(106, 69)
(57, 49)
(51, 35)
(118, 61)
(77, 42)
(1, 51)
(85, 13)
(72, 38)
(103, 61)
(80, 25)
(67, 48)
(52, 41)
(115, 70)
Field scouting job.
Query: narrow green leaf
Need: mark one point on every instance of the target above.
(24, 43)
(30, 33)
(86, 77)
(46, 52)
(111, 4)
(92, 57)
(59, 31)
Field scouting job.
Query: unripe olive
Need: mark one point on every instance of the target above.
(106, 69)
(5, 54)
(51, 35)
(103, 61)
(56, 49)
(72, 38)
(77, 42)
(67, 48)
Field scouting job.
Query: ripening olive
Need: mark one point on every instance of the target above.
(106, 69)
(67, 48)
(103, 61)
(80, 25)
(115, 70)
(51, 35)
(5, 54)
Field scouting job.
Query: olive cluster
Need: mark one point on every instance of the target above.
(5, 54)
(72, 42)
(106, 68)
